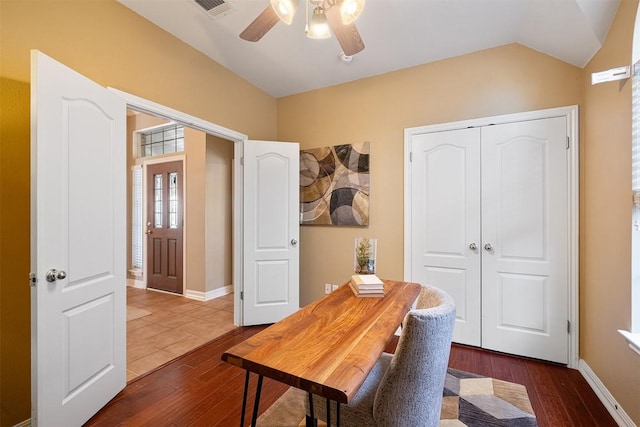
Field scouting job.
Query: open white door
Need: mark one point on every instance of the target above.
(78, 298)
(271, 231)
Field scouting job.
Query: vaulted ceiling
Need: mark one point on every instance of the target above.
(397, 34)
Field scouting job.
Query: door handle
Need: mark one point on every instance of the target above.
(294, 242)
(473, 247)
(53, 275)
(488, 247)
(147, 231)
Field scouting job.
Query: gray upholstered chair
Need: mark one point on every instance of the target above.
(405, 389)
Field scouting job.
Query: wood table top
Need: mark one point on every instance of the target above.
(328, 347)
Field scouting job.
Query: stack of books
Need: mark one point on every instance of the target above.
(366, 285)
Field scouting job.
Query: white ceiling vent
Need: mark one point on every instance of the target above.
(216, 8)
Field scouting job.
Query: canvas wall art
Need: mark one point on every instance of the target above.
(334, 185)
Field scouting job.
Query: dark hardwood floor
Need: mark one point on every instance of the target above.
(199, 389)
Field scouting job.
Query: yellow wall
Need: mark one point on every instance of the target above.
(605, 229)
(115, 47)
(15, 349)
(195, 150)
(219, 221)
(497, 81)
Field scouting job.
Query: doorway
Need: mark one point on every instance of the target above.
(195, 302)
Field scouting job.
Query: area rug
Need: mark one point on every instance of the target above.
(468, 400)
(134, 313)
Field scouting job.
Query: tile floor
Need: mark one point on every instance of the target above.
(161, 327)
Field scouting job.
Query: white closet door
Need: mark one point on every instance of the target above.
(445, 220)
(525, 222)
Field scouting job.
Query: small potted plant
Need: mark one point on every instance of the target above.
(365, 255)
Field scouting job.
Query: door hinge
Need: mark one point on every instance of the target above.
(242, 295)
(410, 156)
(568, 142)
(33, 279)
(568, 326)
(242, 161)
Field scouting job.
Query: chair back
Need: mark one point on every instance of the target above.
(410, 392)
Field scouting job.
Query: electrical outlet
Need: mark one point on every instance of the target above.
(327, 288)
(334, 287)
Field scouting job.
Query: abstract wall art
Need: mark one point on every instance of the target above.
(334, 185)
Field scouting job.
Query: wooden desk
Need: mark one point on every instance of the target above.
(328, 347)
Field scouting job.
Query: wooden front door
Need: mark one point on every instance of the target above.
(164, 226)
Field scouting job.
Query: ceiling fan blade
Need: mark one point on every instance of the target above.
(347, 35)
(261, 25)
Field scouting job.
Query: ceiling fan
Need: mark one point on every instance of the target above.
(337, 14)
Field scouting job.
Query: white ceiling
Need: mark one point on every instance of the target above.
(397, 34)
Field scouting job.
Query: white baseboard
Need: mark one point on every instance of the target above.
(135, 283)
(25, 423)
(607, 399)
(209, 295)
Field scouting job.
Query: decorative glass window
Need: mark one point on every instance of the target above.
(136, 219)
(157, 200)
(173, 200)
(165, 140)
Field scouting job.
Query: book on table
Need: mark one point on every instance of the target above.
(367, 285)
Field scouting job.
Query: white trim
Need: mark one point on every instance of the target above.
(209, 295)
(571, 114)
(607, 399)
(134, 283)
(632, 339)
(150, 107)
(239, 139)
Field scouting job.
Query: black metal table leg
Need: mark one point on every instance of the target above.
(256, 402)
(337, 413)
(244, 398)
(311, 418)
(328, 412)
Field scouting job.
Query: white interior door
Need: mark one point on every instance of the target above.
(78, 172)
(445, 221)
(525, 222)
(271, 231)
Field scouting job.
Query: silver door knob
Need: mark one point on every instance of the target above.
(294, 242)
(473, 247)
(53, 275)
(488, 247)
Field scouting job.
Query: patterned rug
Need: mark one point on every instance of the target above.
(468, 400)
(474, 400)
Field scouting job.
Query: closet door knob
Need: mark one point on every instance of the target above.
(473, 247)
(488, 247)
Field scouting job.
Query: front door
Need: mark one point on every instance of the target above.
(271, 229)
(164, 226)
(78, 208)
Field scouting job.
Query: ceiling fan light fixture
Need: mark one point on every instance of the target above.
(285, 9)
(350, 10)
(318, 25)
